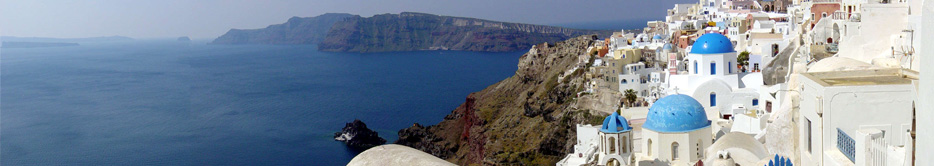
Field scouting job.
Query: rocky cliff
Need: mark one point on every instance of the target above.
(418, 31)
(526, 119)
(298, 30)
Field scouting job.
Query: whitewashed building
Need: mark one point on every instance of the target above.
(857, 117)
(712, 78)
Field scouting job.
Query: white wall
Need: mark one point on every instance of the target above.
(722, 91)
(721, 60)
(687, 144)
(879, 23)
(925, 111)
(808, 112)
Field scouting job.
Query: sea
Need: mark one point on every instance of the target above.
(165, 102)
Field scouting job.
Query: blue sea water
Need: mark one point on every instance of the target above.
(161, 102)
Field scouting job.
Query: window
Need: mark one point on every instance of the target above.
(624, 142)
(700, 152)
(808, 132)
(612, 145)
(649, 147)
(674, 151)
(713, 68)
(768, 106)
(729, 66)
(755, 102)
(695, 67)
(713, 99)
(624, 81)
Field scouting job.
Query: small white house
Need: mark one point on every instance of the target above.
(857, 117)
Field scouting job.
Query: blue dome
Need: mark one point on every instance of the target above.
(658, 37)
(615, 124)
(676, 113)
(712, 43)
(667, 46)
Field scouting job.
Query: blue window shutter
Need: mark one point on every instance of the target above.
(695, 67)
(713, 99)
(713, 68)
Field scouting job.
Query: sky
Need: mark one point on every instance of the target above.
(208, 19)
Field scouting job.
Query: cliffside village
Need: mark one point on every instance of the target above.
(763, 82)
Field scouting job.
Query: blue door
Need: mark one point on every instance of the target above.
(713, 99)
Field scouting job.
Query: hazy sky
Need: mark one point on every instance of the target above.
(212, 18)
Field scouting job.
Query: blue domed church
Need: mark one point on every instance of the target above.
(676, 131)
(713, 79)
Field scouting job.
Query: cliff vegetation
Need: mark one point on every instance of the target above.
(526, 119)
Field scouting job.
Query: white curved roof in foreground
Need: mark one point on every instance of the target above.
(838, 64)
(392, 154)
(742, 148)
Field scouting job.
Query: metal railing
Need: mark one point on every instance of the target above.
(846, 145)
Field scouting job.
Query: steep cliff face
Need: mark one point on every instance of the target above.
(417, 31)
(298, 30)
(525, 119)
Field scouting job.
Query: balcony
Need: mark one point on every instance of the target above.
(850, 17)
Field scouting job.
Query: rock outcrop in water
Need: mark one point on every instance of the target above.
(356, 135)
(526, 119)
(183, 39)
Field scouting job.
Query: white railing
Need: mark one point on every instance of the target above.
(851, 17)
(877, 152)
(840, 15)
(872, 149)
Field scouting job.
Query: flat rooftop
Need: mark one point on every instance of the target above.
(890, 76)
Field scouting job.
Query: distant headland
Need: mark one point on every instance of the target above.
(406, 31)
(33, 42)
(64, 40)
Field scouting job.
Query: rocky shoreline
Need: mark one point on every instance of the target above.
(356, 135)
